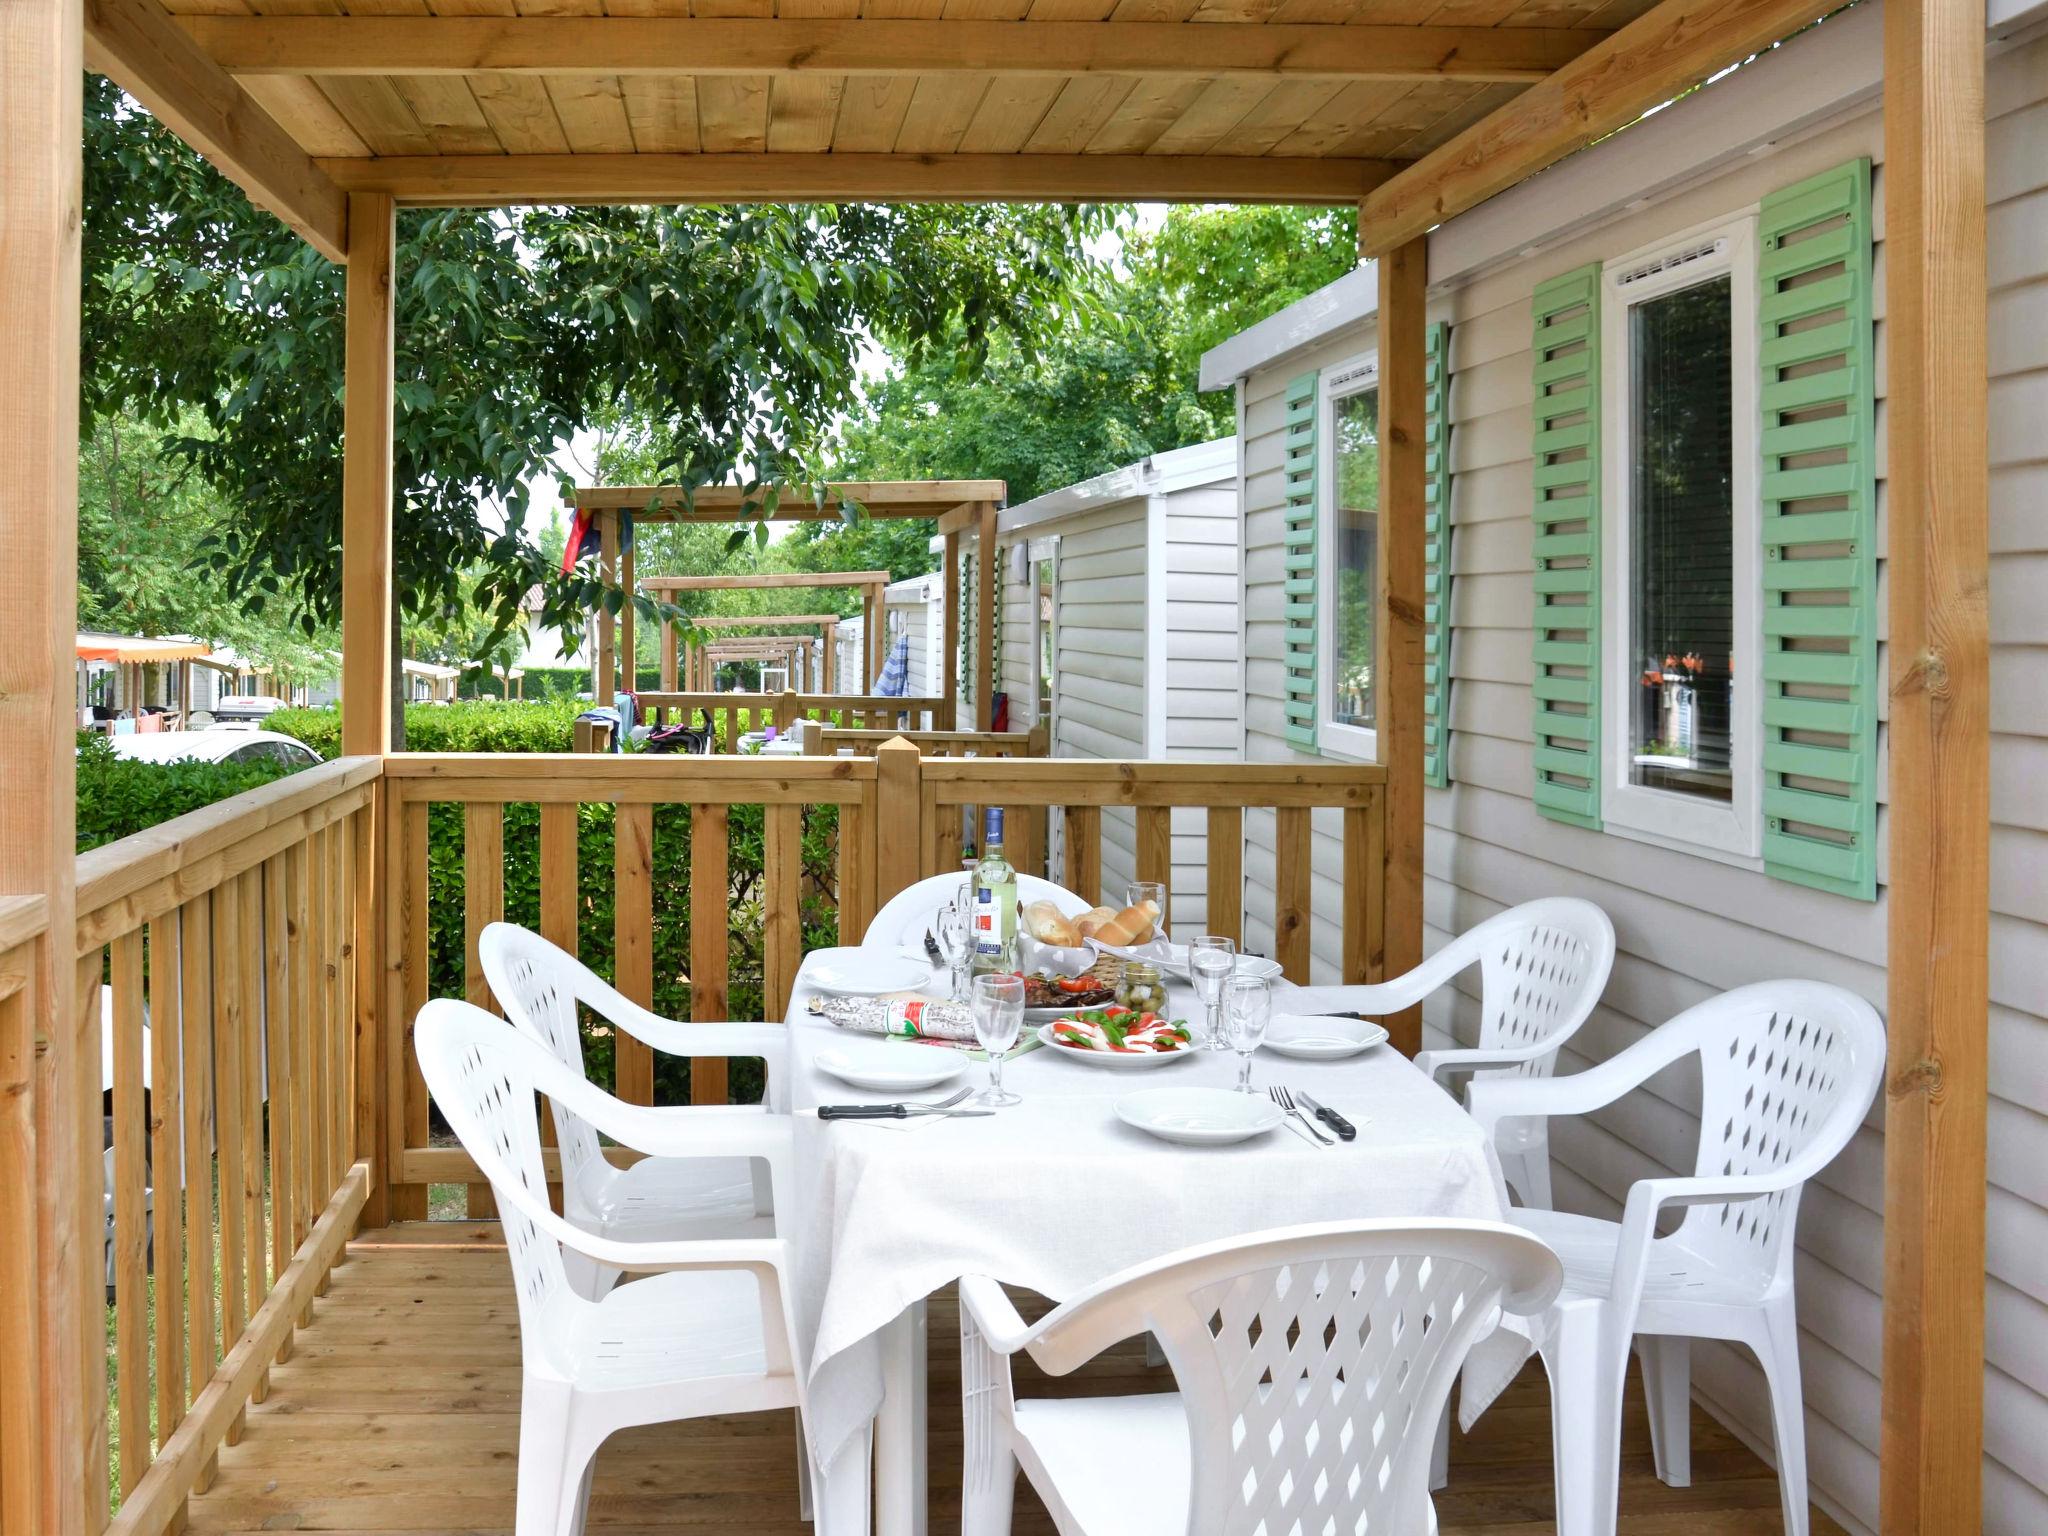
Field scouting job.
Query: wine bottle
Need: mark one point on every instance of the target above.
(995, 903)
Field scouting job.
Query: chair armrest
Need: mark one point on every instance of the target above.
(669, 1133)
(674, 1037)
(656, 1258)
(1429, 1063)
(1494, 1099)
(994, 1315)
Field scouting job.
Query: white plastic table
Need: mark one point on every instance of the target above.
(1053, 1195)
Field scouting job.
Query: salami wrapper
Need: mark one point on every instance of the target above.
(910, 1018)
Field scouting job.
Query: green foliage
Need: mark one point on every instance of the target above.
(1118, 382)
(119, 796)
(738, 328)
(467, 725)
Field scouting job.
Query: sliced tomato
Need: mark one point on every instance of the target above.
(1074, 983)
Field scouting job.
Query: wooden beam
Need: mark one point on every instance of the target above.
(985, 555)
(761, 581)
(1404, 298)
(761, 620)
(949, 605)
(52, 1343)
(723, 503)
(369, 372)
(140, 48)
(456, 181)
(1655, 57)
(1938, 902)
(675, 45)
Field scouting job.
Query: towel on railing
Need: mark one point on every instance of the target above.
(894, 683)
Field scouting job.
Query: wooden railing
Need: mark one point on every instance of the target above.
(734, 714)
(1025, 827)
(788, 853)
(226, 940)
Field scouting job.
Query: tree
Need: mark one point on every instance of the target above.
(1118, 381)
(738, 329)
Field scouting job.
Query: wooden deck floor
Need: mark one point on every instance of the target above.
(398, 1413)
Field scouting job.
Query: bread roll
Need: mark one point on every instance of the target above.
(1091, 921)
(1131, 926)
(1044, 921)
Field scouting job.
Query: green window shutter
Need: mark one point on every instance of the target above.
(1819, 529)
(1567, 548)
(1436, 556)
(1299, 698)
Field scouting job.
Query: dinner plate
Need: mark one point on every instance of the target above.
(865, 972)
(1315, 1037)
(891, 1068)
(1116, 1061)
(1199, 1117)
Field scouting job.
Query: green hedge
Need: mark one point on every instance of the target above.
(481, 725)
(118, 796)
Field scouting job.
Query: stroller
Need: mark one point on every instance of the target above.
(682, 738)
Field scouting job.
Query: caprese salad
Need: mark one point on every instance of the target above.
(1122, 1031)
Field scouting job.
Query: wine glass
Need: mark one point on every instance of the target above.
(998, 1003)
(956, 939)
(1247, 1010)
(1139, 892)
(1211, 959)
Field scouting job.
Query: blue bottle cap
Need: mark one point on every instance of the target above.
(993, 819)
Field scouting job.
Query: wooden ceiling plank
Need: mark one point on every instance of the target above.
(304, 111)
(1212, 115)
(1648, 62)
(941, 108)
(1145, 115)
(871, 111)
(1078, 113)
(732, 113)
(1009, 114)
(522, 115)
(592, 110)
(1279, 113)
(803, 111)
(136, 44)
(491, 180)
(529, 44)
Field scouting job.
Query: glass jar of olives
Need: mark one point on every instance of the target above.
(1141, 988)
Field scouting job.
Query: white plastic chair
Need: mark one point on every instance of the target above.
(1313, 1363)
(1542, 967)
(656, 1199)
(907, 916)
(1788, 1070)
(709, 1333)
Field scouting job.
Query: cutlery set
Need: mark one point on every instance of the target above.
(1300, 1106)
(899, 1111)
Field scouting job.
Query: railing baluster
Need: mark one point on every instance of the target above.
(195, 942)
(230, 1032)
(633, 942)
(782, 918)
(1084, 851)
(131, 1216)
(557, 911)
(1291, 876)
(1225, 914)
(1155, 854)
(249, 945)
(1357, 963)
(710, 938)
(483, 903)
(277, 956)
(408, 1091)
(166, 1081)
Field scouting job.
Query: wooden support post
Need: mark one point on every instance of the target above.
(629, 630)
(52, 1352)
(949, 605)
(370, 363)
(1931, 1461)
(898, 835)
(831, 660)
(605, 684)
(1404, 296)
(985, 617)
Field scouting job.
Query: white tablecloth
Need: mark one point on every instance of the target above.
(1057, 1193)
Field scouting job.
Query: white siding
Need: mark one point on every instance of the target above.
(1689, 927)
(1203, 673)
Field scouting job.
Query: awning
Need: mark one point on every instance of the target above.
(136, 648)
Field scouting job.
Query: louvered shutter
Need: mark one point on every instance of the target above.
(1436, 555)
(1299, 611)
(1817, 358)
(1567, 548)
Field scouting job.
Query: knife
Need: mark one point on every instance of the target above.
(889, 1111)
(1345, 1130)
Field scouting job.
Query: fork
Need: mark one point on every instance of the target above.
(1285, 1100)
(897, 1111)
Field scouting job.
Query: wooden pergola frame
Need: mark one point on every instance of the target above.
(1937, 497)
(870, 584)
(679, 664)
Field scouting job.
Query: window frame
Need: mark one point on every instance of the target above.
(1354, 376)
(1731, 832)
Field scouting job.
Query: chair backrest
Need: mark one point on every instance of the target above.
(483, 1074)
(907, 916)
(1313, 1362)
(1788, 1070)
(536, 983)
(1543, 965)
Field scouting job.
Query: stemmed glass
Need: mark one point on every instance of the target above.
(1247, 1010)
(998, 1003)
(956, 938)
(1211, 959)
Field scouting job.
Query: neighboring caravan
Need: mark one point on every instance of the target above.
(1687, 731)
(1119, 613)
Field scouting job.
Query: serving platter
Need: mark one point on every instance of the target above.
(1114, 1061)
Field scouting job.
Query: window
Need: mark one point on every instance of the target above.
(1350, 557)
(1680, 644)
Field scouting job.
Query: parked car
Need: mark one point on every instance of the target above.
(216, 746)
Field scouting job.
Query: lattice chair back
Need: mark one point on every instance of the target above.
(481, 1071)
(536, 983)
(1543, 966)
(1788, 1070)
(1314, 1362)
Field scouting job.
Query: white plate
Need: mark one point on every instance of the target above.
(892, 1068)
(865, 972)
(1127, 1061)
(1316, 1038)
(1199, 1117)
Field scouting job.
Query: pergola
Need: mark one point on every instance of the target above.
(870, 585)
(684, 676)
(961, 507)
(792, 653)
(333, 121)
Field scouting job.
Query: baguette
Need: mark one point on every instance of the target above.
(1090, 922)
(1131, 926)
(1044, 921)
